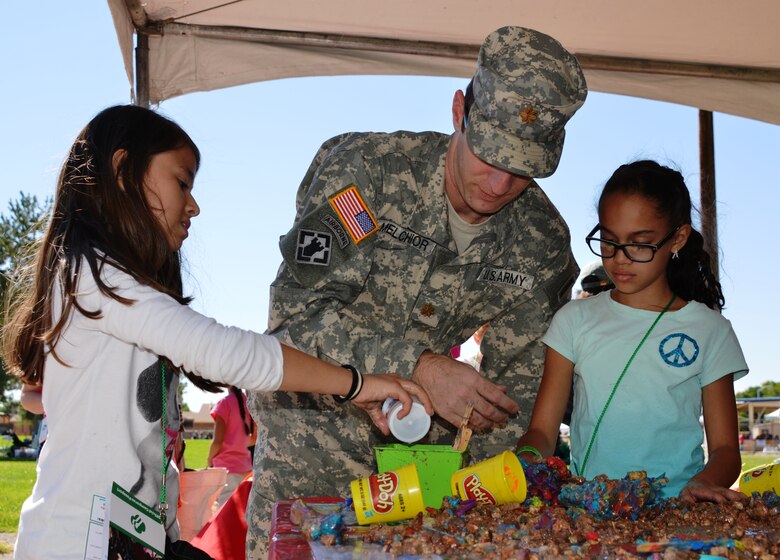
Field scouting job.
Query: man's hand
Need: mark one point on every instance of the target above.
(452, 384)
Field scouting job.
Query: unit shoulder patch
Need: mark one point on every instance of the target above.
(333, 224)
(313, 247)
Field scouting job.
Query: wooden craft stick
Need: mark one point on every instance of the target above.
(463, 436)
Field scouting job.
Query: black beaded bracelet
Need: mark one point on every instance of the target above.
(354, 390)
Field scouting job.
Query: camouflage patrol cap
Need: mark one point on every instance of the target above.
(526, 87)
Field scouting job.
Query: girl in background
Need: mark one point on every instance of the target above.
(648, 356)
(101, 316)
(233, 429)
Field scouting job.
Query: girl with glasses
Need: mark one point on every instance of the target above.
(646, 359)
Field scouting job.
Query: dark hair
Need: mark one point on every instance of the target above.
(246, 420)
(690, 275)
(96, 221)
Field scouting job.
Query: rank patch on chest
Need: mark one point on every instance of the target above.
(354, 214)
(313, 247)
(506, 277)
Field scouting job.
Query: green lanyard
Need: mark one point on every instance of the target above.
(579, 470)
(163, 424)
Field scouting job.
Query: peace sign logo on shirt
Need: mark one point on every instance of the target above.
(678, 350)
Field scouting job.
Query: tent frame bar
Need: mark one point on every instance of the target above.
(452, 50)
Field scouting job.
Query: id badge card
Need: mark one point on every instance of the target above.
(96, 547)
(135, 519)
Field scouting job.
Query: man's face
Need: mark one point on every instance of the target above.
(476, 189)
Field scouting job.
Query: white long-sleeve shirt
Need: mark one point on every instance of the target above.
(104, 404)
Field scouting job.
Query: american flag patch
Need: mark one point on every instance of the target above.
(354, 213)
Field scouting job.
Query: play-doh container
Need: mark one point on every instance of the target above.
(498, 480)
(388, 496)
(761, 479)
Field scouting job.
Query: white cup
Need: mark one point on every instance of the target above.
(411, 427)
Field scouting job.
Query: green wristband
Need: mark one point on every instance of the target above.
(530, 449)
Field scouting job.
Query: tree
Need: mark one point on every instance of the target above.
(767, 389)
(23, 224)
(183, 387)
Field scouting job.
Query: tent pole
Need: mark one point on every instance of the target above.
(142, 69)
(750, 419)
(709, 215)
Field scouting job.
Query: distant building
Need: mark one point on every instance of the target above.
(200, 424)
(763, 429)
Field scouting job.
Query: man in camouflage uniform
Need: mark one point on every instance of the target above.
(403, 245)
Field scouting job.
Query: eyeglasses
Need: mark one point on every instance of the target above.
(637, 252)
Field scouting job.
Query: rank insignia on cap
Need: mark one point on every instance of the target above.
(528, 115)
(354, 214)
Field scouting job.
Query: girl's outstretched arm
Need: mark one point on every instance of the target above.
(549, 407)
(724, 463)
(307, 374)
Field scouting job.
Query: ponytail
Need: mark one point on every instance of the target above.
(690, 275)
(246, 419)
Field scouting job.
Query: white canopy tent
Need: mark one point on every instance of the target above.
(716, 55)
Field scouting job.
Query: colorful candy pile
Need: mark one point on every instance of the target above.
(679, 530)
(567, 517)
(551, 483)
(321, 522)
(615, 498)
(545, 480)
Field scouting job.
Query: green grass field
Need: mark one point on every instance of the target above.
(752, 461)
(196, 453)
(18, 478)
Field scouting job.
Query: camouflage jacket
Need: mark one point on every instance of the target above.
(376, 284)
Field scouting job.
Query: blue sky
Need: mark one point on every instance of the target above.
(62, 65)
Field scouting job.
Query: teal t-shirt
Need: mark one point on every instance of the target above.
(652, 423)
